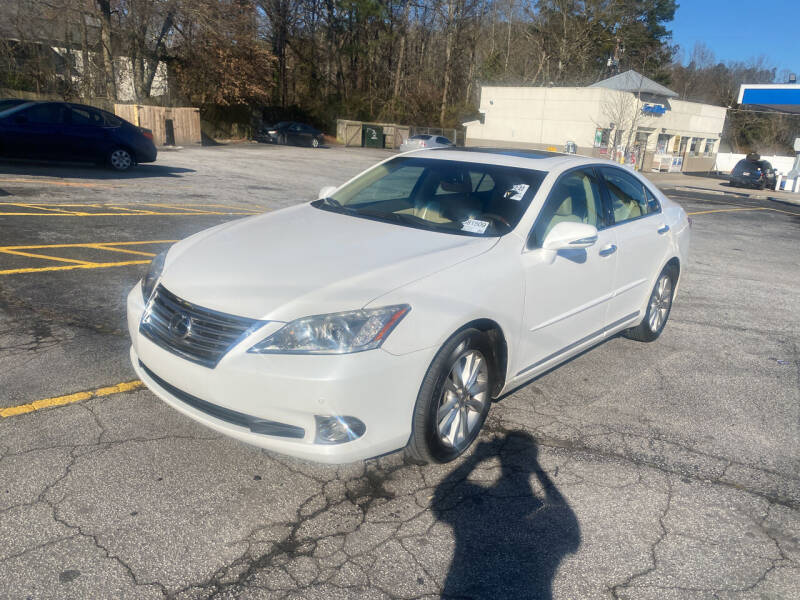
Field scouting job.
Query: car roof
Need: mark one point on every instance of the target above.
(539, 160)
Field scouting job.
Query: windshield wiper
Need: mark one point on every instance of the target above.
(402, 218)
(333, 203)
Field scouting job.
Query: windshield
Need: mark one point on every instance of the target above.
(442, 195)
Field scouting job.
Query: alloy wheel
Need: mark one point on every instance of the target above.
(660, 303)
(464, 397)
(121, 160)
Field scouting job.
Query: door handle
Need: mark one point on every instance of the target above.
(664, 229)
(608, 250)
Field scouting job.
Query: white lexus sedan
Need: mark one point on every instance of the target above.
(389, 313)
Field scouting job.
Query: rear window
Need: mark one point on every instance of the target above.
(420, 137)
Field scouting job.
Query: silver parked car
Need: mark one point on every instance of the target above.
(423, 140)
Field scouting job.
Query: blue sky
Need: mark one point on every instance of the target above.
(741, 29)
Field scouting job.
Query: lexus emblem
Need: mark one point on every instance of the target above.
(180, 326)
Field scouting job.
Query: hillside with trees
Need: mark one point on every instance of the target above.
(410, 61)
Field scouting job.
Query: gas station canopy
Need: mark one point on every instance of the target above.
(783, 98)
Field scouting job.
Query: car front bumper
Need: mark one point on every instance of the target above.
(376, 387)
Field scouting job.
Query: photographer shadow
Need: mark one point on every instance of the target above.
(509, 540)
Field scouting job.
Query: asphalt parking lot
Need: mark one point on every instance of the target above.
(652, 471)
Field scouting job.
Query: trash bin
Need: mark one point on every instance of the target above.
(372, 136)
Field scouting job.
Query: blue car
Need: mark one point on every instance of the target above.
(65, 131)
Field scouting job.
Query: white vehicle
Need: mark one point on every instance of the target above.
(423, 140)
(388, 313)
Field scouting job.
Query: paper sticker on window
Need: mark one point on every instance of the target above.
(517, 192)
(474, 226)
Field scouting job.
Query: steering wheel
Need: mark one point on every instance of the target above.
(496, 217)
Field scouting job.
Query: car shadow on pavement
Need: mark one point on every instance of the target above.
(87, 171)
(511, 535)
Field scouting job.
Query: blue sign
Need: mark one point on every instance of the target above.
(654, 109)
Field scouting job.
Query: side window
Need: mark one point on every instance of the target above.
(628, 200)
(85, 117)
(481, 181)
(442, 140)
(653, 205)
(112, 120)
(45, 114)
(575, 198)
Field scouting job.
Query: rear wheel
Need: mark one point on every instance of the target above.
(453, 400)
(120, 159)
(658, 309)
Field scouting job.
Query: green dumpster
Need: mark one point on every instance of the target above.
(372, 136)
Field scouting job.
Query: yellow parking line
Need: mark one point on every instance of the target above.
(56, 258)
(137, 243)
(22, 409)
(719, 210)
(61, 183)
(71, 267)
(122, 214)
(112, 249)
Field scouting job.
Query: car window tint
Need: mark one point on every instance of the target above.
(575, 198)
(46, 114)
(86, 117)
(442, 140)
(628, 200)
(396, 185)
(420, 137)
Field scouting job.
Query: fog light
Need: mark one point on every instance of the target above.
(338, 430)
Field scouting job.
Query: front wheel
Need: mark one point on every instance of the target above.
(658, 309)
(314, 142)
(453, 400)
(120, 159)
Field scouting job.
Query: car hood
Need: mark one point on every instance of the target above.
(303, 260)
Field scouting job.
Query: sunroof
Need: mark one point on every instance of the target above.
(518, 152)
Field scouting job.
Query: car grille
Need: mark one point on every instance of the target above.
(198, 334)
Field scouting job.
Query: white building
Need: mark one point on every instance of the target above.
(627, 117)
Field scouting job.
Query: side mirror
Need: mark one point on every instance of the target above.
(570, 236)
(326, 192)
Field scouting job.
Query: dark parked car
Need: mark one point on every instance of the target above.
(64, 131)
(753, 172)
(291, 132)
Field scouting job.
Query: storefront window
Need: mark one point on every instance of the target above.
(695, 147)
(709, 149)
(662, 144)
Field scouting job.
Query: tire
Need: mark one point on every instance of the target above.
(434, 439)
(314, 143)
(120, 159)
(660, 300)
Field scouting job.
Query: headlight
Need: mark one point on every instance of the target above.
(153, 273)
(335, 333)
